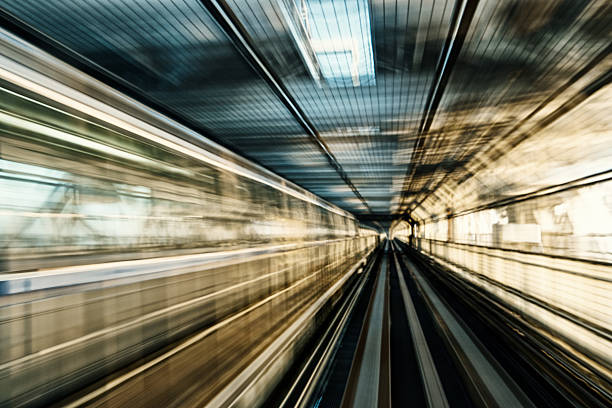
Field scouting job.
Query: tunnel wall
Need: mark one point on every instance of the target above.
(532, 259)
(528, 220)
(56, 340)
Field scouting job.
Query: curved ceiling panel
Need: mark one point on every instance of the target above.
(388, 108)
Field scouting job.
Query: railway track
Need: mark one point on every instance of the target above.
(409, 338)
(395, 330)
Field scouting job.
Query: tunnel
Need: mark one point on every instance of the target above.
(306, 203)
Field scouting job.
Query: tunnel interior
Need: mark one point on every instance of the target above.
(305, 203)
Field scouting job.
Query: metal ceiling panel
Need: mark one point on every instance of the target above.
(382, 106)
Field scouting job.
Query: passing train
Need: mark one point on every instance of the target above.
(142, 264)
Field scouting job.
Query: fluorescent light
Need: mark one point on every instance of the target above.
(334, 39)
(299, 31)
(340, 33)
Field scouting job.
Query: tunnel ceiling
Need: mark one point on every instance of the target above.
(378, 106)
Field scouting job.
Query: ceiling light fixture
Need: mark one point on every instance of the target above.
(333, 38)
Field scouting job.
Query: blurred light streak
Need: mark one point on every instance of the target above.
(110, 115)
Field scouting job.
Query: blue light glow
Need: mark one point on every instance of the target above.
(340, 37)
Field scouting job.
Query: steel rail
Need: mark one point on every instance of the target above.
(369, 383)
(330, 347)
(493, 387)
(434, 392)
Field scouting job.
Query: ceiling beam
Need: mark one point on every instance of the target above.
(460, 23)
(239, 37)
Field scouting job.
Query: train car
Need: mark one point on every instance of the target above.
(129, 243)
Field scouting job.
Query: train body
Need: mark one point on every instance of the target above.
(125, 234)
